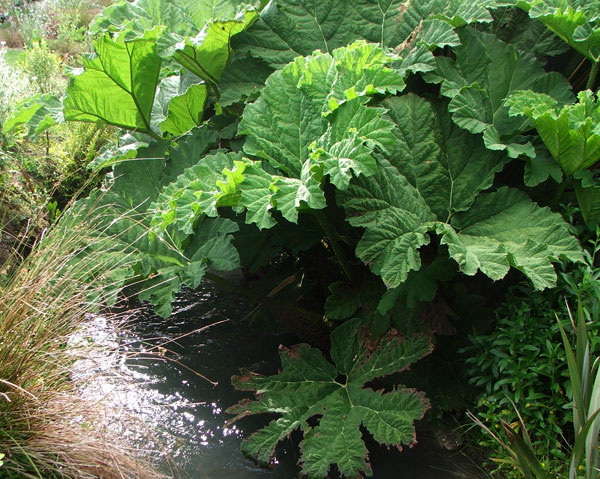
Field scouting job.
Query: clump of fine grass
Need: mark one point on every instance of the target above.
(46, 429)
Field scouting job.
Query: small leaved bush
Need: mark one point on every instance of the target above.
(351, 154)
(522, 360)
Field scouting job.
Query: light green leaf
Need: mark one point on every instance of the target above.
(179, 104)
(194, 33)
(505, 229)
(571, 134)
(36, 115)
(117, 85)
(308, 386)
(477, 91)
(574, 21)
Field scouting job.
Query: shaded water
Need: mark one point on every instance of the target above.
(186, 412)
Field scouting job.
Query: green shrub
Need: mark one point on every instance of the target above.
(43, 68)
(523, 360)
(15, 87)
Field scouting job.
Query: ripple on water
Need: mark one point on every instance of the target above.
(146, 371)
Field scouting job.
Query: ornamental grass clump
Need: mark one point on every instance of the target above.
(47, 430)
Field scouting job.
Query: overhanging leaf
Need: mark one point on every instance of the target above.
(117, 85)
(36, 115)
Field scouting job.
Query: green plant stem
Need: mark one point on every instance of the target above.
(592, 77)
(559, 194)
(334, 240)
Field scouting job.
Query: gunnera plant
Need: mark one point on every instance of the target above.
(46, 429)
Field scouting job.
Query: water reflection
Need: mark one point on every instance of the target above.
(168, 385)
(169, 380)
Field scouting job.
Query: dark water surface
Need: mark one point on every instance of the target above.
(149, 371)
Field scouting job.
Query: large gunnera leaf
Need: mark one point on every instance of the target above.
(577, 22)
(196, 33)
(288, 28)
(309, 387)
(117, 85)
(431, 183)
(486, 71)
(310, 121)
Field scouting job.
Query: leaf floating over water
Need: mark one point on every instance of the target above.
(309, 386)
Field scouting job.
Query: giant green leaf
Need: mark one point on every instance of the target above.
(117, 84)
(309, 386)
(288, 28)
(310, 121)
(286, 124)
(485, 72)
(36, 115)
(432, 183)
(571, 134)
(194, 33)
(577, 22)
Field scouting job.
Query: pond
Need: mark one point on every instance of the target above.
(172, 377)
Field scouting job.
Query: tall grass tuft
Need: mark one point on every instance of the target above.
(46, 429)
